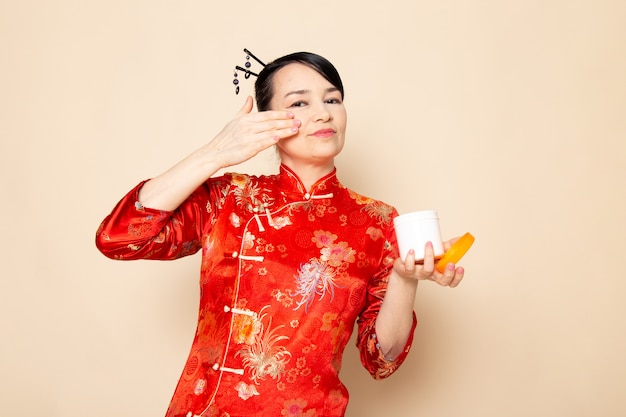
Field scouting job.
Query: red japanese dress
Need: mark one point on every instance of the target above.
(285, 275)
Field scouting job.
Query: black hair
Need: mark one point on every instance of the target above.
(263, 87)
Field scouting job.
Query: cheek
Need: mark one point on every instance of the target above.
(300, 115)
(343, 123)
(341, 117)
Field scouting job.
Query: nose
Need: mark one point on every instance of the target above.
(321, 113)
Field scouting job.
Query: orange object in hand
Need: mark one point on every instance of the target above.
(456, 252)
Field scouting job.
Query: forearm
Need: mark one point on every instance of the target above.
(395, 318)
(168, 190)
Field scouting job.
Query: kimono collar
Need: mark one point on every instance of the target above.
(290, 183)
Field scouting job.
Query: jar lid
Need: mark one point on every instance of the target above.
(416, 215)
(456, 252)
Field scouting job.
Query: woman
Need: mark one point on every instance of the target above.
(289, 261)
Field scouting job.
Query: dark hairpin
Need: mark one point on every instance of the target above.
(246, 70)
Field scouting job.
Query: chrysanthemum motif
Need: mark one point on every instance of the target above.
(246, 195)
(380, 211)
(314, 278)
(360, 199)
(264, 357)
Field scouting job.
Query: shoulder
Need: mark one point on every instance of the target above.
(364, 200)
(381, 211)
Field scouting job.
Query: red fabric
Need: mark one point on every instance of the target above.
(312, 265)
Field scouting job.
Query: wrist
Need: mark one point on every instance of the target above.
(397, 279)
(206, 161)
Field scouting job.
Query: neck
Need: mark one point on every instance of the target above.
(310, 173)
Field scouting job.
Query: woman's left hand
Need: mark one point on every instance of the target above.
(409, 269)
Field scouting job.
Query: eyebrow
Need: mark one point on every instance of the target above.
(298, 92)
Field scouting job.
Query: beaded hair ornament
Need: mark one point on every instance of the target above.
(246, 71)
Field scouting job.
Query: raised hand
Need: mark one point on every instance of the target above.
(250, 133)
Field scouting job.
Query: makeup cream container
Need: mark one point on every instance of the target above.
(414, 229)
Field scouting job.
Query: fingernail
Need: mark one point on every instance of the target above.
(450, 267)
(294, 129)
(290, 115)
(297, 122)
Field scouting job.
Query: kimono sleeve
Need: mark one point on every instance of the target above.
(372, 357)
(132, 231)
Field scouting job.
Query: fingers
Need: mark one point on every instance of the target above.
(266, 121)
(447, 276)
(457, 277)
(250, 133)
(429, 258)
(278, 124)
(451, 276)
(409, 262)
(268, 133)
(280, 128)
(424, 269)
(409, 268)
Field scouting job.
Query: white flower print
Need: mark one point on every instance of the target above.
(264, 357)
(314, 278)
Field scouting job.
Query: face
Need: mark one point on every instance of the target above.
(319, 107)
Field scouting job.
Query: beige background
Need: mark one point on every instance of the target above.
(508, 117)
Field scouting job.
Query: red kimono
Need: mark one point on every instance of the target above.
(285, 274)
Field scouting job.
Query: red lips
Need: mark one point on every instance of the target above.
(324, 133)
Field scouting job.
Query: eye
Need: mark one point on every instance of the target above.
(333, 101)
(298, 104)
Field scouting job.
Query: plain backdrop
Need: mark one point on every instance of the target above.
(507, 117)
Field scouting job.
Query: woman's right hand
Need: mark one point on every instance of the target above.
(248, 134)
